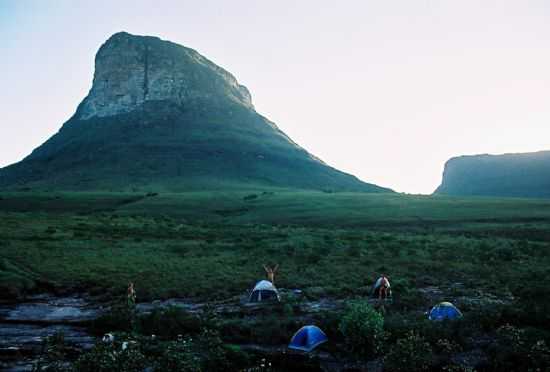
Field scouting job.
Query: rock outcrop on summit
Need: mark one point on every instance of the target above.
(132, 70)
(162, 116)
(515, 175)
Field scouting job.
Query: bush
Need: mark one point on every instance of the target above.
(511, 336)
(131, 360)
(212, 350)
(362, 327)
(237, 359)
(411, 353)
(54, 355)
(457, 368)
(205, 353)
(179, 357)
(169, 323)
(354, 251)
(14, 281)
(119, 318)
(447, 347)
(508, 351)
(539, 356)
(104, 358)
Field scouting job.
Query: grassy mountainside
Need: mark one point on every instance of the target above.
(515, 175)
(178, 150)
(161, 116)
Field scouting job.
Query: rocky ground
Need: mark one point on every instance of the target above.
(25, 325)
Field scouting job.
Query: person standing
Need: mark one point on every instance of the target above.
(384, 287)
(271, 272)
(131, 295)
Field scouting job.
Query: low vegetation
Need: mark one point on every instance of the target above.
(490, 257)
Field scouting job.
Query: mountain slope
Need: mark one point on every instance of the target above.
(518, 175)
(161, 115)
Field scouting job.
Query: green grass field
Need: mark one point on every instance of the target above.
(211, 246)
(340, 240)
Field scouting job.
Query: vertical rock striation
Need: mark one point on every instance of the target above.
(126, 77)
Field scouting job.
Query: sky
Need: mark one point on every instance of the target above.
(386, 90)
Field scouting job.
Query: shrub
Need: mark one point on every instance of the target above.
(354, 251)
(179, 357)
(170, 322)
(411, 353)
(101, 358)
(205, 353)
(119, 318)
(264, 365)
(14, 281)
(131, 360)
(54, 355)
(539, 356)
(447, 347)
(237, 359)
(213, 353)
(512, 337)
(104, 358)
(362, 327)
(509, 351)
(457, 368)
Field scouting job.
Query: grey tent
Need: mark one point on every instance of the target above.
(264, 290)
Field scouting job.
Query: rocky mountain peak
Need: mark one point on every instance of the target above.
(160, 116)
(130, 70)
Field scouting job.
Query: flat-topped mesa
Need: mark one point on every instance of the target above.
(513, 175)
(130, 70)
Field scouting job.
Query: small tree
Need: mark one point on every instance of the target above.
(363, 328)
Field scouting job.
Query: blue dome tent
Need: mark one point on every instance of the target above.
(444, 310)
(264, 291)
(307, 338)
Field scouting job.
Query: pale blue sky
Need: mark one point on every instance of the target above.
(386, 90)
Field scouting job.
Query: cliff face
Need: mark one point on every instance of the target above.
(160, 115)
(131, 70)
(517, 175)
